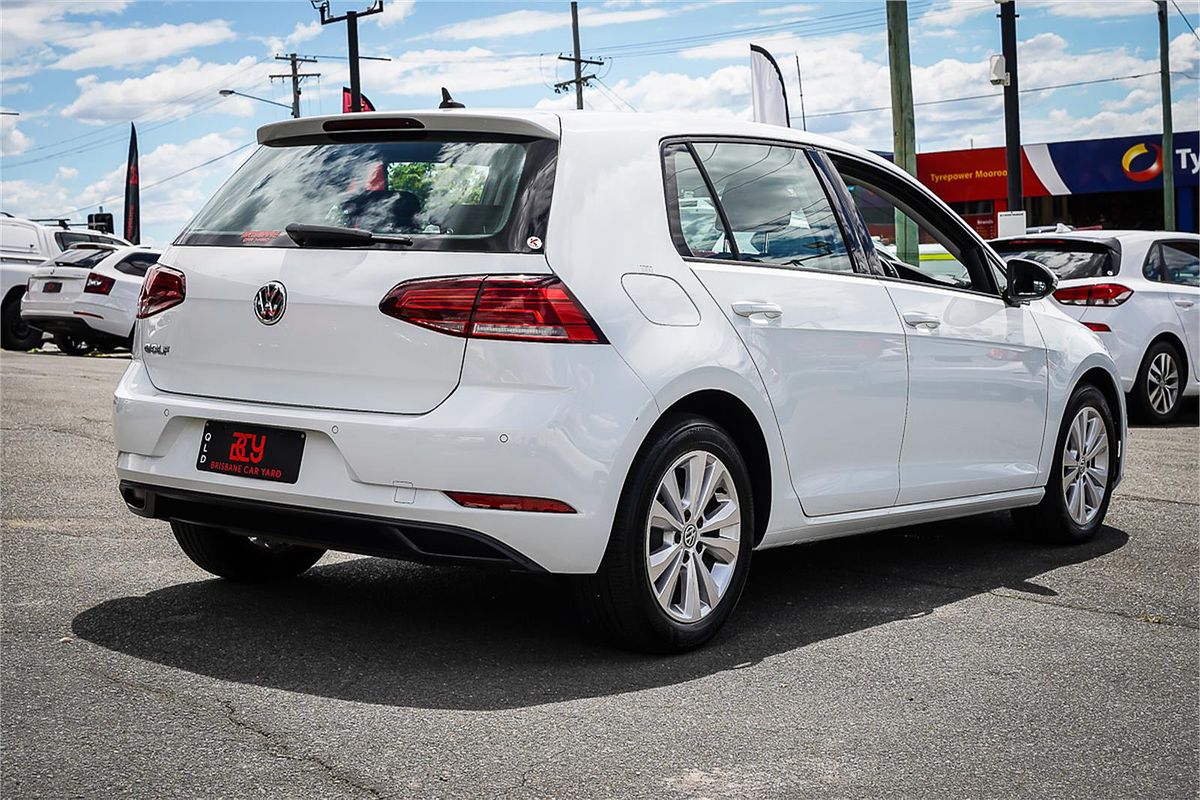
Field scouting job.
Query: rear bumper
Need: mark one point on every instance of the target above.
(555, 421)
(70, 325)
(423, 542)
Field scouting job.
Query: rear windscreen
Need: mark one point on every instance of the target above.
(446, 192)
(1067, 260)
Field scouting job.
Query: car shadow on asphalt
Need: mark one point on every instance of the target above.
(385, 632)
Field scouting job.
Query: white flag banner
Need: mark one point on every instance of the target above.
(767, 89)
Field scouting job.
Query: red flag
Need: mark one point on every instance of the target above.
(133, 204)
(366, 104)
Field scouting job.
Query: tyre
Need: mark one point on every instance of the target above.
(14, 333)
(240, 558)
(1080, 484)
(681, 541)
(72, 344)
(1157, 392)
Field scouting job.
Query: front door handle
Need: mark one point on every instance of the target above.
(921, 321)
(749, 308)
(1185, 303)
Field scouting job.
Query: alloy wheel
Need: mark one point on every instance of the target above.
(1162, 383)
(1085, 465)
(693, 536)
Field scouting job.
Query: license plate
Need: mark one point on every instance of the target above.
(251, 451)
(52, 287)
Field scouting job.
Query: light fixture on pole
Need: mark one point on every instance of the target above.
(232, 93)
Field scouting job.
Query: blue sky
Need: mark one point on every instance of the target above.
(79, 71)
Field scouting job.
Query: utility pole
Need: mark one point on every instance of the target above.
(800, 81)
(1012, 105)
(351, 20)
(1168, 137)
(580, 79)
(904, 131)
(296, 77)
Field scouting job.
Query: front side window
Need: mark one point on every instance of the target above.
(1174, 262)
(772, 201)
(913, 238)
(446, 192)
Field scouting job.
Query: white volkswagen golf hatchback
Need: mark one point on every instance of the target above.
(631, 348)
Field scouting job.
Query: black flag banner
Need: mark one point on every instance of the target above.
(133, 201)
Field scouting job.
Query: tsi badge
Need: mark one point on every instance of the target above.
(270, 302)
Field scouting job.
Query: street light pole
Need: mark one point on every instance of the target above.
(351, 20)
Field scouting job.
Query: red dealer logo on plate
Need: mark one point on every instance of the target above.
(1146, 173)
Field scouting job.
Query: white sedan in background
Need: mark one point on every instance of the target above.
(1140, 291)
(87, 296)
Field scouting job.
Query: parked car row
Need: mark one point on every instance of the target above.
(1140, 292)
(80, 287)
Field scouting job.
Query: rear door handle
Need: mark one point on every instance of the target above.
(749, 308)
(1185, 303)
(921, 321)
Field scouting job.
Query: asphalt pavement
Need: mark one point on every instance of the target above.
(948, 660)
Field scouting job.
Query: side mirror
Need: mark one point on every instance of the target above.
(1028, 280)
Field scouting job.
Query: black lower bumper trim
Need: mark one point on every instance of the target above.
(422, 542)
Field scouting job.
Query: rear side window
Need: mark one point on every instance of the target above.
(1174, 262)
(67, 238)
(446, 192)
(138, 264)
(774, 205)
(1065, 259)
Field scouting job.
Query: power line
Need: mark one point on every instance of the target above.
(160, 182)
(1185, 19)
(988, 96)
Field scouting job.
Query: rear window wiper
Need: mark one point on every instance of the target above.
(337, 236)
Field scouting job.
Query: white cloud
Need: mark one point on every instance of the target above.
(394, 12)
(525, 21)
(303, 32)
(165, 208)
(424, 72)
(166, 93)
(952, 13)
(12, 141)
(66, 174)
(121, 47)
(1094, 9)
(723, 93)
(788, 10)
(32, 25)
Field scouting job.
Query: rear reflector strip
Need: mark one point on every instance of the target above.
(1098, 327)
(510, 502)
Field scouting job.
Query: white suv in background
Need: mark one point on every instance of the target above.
(87, 296)
(24, 245)
(1140, 292)
(633, 348)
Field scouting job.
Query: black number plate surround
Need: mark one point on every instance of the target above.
(251, 451)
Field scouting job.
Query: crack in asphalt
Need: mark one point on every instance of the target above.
(272, 746)
(104, 440)
(1146, 499)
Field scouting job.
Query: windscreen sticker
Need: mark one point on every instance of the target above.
(534, 243)
(259, 237)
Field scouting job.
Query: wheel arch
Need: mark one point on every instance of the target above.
(14, 293)
(735, 417)
(1110, 386)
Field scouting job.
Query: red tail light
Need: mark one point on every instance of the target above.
(527, 308)
(163, 288)
(510, 502)
(98, 284)
(1098, 294)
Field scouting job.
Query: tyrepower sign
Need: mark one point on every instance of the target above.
(1126, 163)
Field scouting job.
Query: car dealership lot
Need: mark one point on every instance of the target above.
(943, 660)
